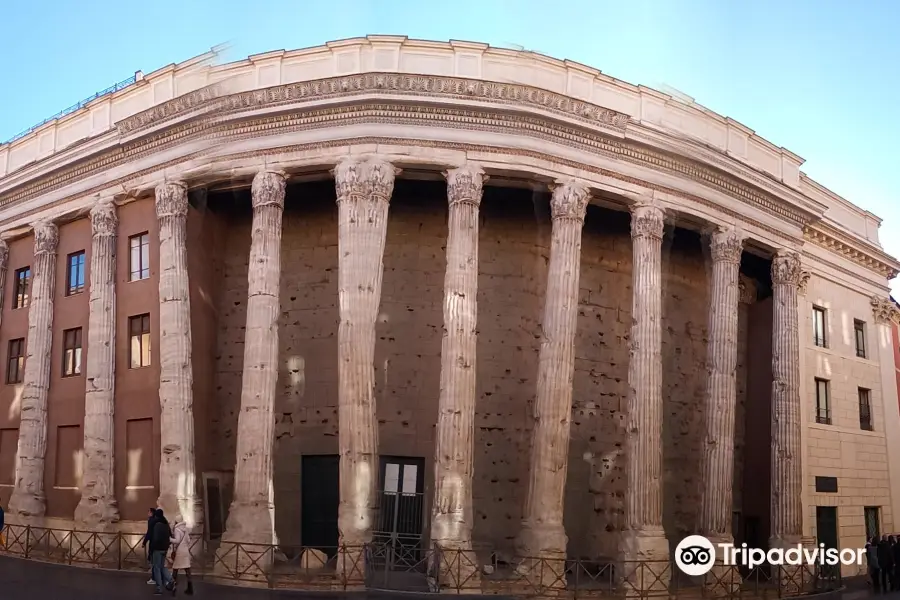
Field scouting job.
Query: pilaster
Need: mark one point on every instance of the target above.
(28, 501)
(98, 508)
(177, 466)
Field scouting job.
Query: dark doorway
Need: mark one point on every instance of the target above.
(398, 528)
(826, 526)
(320, 478)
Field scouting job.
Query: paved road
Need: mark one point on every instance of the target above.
(30, 580)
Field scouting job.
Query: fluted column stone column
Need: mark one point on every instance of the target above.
(643, 537)
(364, 189)
(717, 461)
(98, 508)
(177, 465)
(4, 265)
(28, 501)
(451, 520)
(251, 518)
(787, 478)
(543, 534)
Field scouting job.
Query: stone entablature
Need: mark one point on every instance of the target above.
(161, 111)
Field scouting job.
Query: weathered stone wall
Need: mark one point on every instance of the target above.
(514, 247)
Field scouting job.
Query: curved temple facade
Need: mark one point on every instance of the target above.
(374, 291)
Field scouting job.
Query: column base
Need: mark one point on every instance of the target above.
(645, 567)
(722, 580)
(457, 568)
(97, 513)
(542, 550)
(247, 549)
(793, 580)
(27, 508)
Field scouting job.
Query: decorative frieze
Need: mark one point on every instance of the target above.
(177, 466)
(28, 500)
(251, 518)
(543, 535)
(98, 508)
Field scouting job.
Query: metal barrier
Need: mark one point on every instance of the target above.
(383, 565)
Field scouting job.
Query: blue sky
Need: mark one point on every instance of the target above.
(819, 77)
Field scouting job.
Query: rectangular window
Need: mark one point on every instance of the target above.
(865, 409)
(819, 326)
(75, 275)
(873, 526)
(23, 279)
(823, 405)
(859, 331)
(140, 256)
(139, 331)
(15, 362)
(72, 352)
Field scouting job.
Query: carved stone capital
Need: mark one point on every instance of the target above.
(171, 199)
(465, 184)
(103, 218)
(884, 310)
(726, 244)
(803, 281)
(4, 253)
(370, 177)
(268, 189)
(647, 220)
(46, 237)
(786, 268)
(570, 200)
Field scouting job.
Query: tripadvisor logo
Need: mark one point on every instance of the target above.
(695, 555)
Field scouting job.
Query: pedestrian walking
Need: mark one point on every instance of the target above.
(181, 555)
(886, 564)
(872, 561)
(895, 550)
(159, 547)
(151, 521)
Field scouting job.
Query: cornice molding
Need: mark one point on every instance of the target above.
(230, 124)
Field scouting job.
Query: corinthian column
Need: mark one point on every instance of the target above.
(451, 519)
(643, 537)
(726, 246)
(177, 470)
(787, 478)
(252, 515)
(28, 499)
(543, 534)
(4, 263)
(98, 508)
(364, 191)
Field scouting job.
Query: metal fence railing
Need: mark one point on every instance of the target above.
(384, 565)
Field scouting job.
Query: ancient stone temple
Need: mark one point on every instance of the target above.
(374, 293)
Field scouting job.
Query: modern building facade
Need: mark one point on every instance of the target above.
(444, 293)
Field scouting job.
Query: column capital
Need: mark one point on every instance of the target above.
(647, 220)
(465, 184)
(171, 199)
(4, 251)
(268, 189)
(726, 244)
(364, 176)
(786, 268)
(103, 218)
(884, 310)
(570, 199)
(46, 236)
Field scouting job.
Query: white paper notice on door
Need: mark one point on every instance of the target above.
(410, 473)
(391, 478)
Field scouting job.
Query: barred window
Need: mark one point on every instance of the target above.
(865, 409)
(859, 331)
(819, 326)
(139, 246)
(823, 404)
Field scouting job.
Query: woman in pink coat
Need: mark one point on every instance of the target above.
(181, 554)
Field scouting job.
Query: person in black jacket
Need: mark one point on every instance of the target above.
(886, 562)
(159, 546)
(895, 550)
(151, 521)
